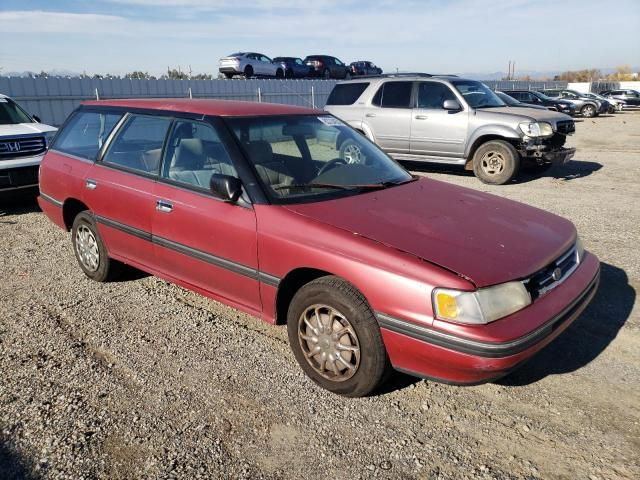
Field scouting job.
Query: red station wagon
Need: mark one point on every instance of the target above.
(260, 206)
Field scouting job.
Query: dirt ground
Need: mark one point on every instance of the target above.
(142, 379)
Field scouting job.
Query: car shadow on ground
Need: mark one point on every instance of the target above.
(17, 204)
(12, 465)
(587, 337)
(570, 171)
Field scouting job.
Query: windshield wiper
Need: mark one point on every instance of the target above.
(300, 186)
(362, 186)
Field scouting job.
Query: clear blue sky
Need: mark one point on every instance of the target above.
(119, 36)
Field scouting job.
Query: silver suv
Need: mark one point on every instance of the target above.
(450, 120)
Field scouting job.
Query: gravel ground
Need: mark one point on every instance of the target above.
(142, 379)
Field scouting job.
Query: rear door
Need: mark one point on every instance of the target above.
(119, 187)
(198, 238)
(434, 130)
(389, 116)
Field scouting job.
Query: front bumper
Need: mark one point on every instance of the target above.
(497, 348)
(18, 178)
(559, 156)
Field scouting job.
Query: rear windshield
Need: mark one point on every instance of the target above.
(11, 113)
(346, 93)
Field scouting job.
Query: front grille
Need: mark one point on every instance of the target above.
(21, 147)
(566, 127)
(553, 274)
(557, 140)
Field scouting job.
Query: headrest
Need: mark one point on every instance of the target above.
(189, 154)
(260, 152)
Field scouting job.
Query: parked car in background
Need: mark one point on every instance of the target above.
(540, 99)
(585, 106)
(512, 102)
(23, 142)
(293, 67)
(364, 67)
(615, 105)
(451, 120)
(250, 65)
(369, 267)
(631, 97)
(326, 66)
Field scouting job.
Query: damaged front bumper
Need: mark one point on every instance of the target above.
(547, 151)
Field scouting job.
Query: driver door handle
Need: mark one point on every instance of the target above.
(164, 206)
(370, 115)
(421, 117)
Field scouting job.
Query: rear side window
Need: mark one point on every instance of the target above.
(346, 93)
(394, 95)
(138, 144)
(85, 134)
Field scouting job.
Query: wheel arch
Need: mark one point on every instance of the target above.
(70, 209)
(290, 284)
(487, 137)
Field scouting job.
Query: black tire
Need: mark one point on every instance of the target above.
(347, 76)
(248, 71)
(372, 366)
(326, 74)
(588, 111)
(229, 76)
(279, 73)
(496, 162)
(288, 73)
(106, 268)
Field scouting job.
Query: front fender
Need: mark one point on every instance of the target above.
(489, 131)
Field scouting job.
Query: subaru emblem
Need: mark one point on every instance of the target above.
(557, 274)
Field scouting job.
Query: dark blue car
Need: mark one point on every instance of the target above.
(293, 67)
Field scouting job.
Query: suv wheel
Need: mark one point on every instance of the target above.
(588, 111)
(496, 162)
(90, 250)
(336, 339)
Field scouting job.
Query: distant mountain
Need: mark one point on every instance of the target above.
(534, 74)
(51, 73)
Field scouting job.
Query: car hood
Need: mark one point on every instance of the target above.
(16, 129)
(481, 237)
(539, 115)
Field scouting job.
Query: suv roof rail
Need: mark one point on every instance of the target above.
(394, 75)
(444, 75)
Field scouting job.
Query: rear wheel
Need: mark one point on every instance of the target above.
(336, 339)
(327, 73)
(288, 73)
(496, 162)
(588, 111)
(279, 73)
(90, 250)
(248, 71)
(229, 76)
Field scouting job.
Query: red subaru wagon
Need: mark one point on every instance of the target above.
(290, 215)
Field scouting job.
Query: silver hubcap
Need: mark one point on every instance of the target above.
(329, 343)
(353, 154)
(492, 163)
(87, 248)
(588, 111)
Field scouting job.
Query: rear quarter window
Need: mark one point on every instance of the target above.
(346, 94)
(85, 134)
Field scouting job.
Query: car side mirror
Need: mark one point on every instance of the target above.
(452, 105)
(36, 118)
(226, 187)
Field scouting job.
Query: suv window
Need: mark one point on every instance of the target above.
(138, 144)
(85, 134)
(194, 152)
(394, 95)
(346, 93)
(432, 95)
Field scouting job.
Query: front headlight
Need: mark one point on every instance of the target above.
(536, 129)
(482, 306)
(48, 136)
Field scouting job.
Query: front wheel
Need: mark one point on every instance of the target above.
(279, 73)
(90, 250)
(588, 111)
(336, 339)
(496, 162)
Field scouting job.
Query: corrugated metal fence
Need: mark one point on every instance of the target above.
(54, 98)
(523, 85)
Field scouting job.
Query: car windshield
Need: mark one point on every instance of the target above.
(507, 99)
(301, 158)
(477, 94)
(11, 113)
(542, 96)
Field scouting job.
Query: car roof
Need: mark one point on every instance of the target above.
(225, 108)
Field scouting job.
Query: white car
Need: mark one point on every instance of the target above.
(250, 65)
(23, 142)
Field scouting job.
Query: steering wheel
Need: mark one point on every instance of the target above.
(331, 164)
